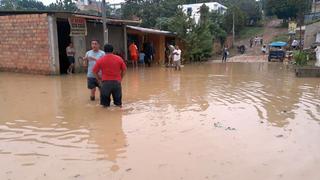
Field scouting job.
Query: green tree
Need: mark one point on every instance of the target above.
(7, 5)
(21, 5)
(216, 27)
(204, 32)
(30, 5)
(153, 13)
(63, 5)
(198, 38)
(239, 20)
(287, 9)
(183, 26)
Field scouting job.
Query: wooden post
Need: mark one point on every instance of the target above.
(125, 41)
(104, 21)
(233, 30)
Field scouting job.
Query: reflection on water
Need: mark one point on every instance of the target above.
(209, 121)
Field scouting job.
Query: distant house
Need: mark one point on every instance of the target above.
(94, 7)
(40, 39)
(316, 6)
(192, 10)
(89, 5)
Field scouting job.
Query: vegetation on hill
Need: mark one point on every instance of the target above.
(248, 32)
(59, 5)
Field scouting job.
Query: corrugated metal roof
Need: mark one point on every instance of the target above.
(87, 16)
(152, 31)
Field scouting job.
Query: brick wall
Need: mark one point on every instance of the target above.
(24, 43)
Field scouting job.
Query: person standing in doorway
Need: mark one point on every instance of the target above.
(133, 49)
(113, 70)
(225, 54)
(70, 54)
(148, 53)
(91, 58)
(251, 42)
(177, 58)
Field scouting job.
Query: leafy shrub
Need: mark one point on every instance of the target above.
(300, 58)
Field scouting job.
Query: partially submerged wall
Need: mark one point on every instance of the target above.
(24, 43)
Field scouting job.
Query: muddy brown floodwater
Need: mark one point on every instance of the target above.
(252, 121)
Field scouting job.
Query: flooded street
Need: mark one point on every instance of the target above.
(210, 121)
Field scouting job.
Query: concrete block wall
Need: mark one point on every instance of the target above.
(24, 44)
(311, 34)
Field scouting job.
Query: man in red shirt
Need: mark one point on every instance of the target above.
(113, 70)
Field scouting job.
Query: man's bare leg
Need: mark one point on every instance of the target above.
(93, 94)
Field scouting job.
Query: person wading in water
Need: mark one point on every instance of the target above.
(91, 57)
(113, 70)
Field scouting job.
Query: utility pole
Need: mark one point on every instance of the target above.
(233, 30)
(104, 22)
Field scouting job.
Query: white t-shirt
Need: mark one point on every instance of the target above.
(91, 63)
(176, 55)
(295, 43)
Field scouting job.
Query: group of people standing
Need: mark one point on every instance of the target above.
(256, 41)
(147, 56)
(173, 56)
(105, 72)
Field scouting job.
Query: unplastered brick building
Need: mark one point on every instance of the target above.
(35, 41)
(25, 44)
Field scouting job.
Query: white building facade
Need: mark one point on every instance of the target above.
(193, 10)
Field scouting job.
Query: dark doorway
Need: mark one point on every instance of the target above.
(63, 41)
(171, 41)
(133, 38)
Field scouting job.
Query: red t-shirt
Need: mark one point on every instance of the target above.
(111, 67)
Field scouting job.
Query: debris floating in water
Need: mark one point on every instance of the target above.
(59, 117)
(129, 169)
(218, 125)
(231, 129)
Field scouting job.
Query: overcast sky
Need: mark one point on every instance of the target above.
(47, 2)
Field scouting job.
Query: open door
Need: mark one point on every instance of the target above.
(63, 41)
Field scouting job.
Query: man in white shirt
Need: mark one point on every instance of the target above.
(295, 44)
(91, 58)
(177, 58)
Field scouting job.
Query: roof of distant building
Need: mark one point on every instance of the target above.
(207, 3)
(149, 30)
(76, 14)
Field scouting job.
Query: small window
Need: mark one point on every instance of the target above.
(189, 11)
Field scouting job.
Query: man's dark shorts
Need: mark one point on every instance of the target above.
(92, 83)
(111, 88)
(71, 59)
